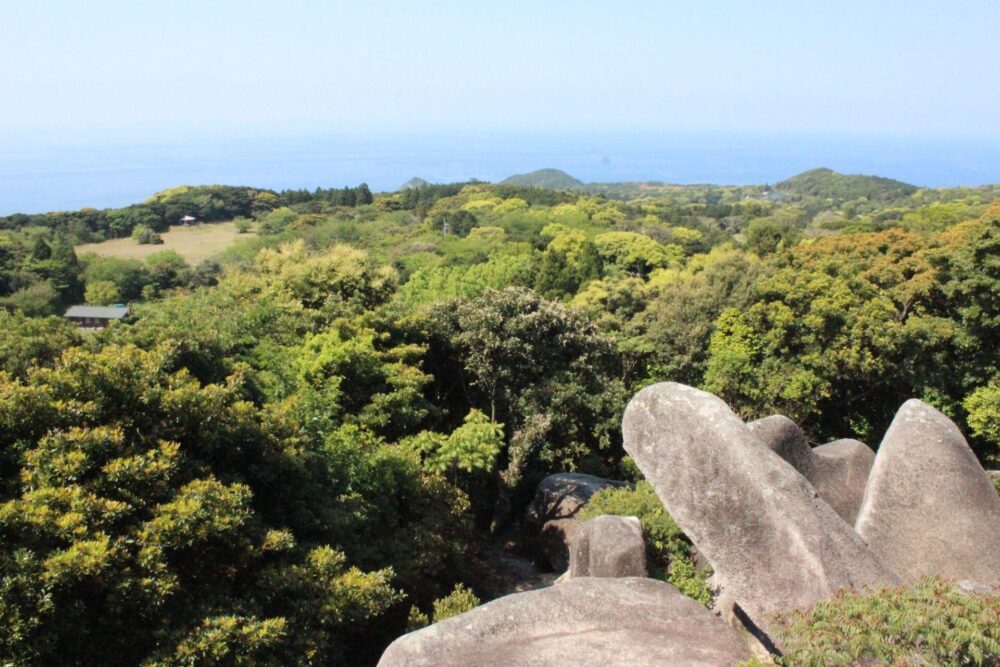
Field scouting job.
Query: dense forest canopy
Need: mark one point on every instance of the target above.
(295, 447)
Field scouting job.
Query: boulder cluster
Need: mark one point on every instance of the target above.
(782, 524)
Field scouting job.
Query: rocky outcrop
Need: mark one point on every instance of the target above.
(929, 508)
(837, 470)
(773, 542)
(552, 512)
(629, 622)
(608, 546)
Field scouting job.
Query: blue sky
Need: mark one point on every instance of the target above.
(887, 67)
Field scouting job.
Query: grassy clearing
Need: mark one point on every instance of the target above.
(193, 243)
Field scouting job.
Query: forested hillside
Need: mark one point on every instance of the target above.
(291, 451)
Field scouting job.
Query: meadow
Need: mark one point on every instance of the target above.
(194, 243)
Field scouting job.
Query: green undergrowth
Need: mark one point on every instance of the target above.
(668, 550)
(927, 623)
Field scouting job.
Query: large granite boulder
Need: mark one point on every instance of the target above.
(553, 510)
(930, 508)
(628, 622)
(773, 542)
(837, 470)
(608, 546)
(840, 475)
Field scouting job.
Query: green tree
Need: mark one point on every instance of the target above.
(145, 235)
(541, 369)
(102, 292)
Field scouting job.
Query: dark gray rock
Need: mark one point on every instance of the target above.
(773, 543)
(553, 510)
(837, 470)
(929, 508)
(629, 622)
(608, 546)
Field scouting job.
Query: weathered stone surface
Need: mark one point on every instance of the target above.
(784, 437)
(840, 473)
(930, 508)
(557, 500)
(773, 542)
(608, 546)
(837, 470)
(629, 622)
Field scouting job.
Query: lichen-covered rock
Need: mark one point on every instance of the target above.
(837, 470)
(553, 510)
(774, 544)
(608, 546)
(631, 622)
(930, 508)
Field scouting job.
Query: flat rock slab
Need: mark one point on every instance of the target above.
(608, 546)
(773, 542)
(930, 508)
(837, 470)
(630, 622)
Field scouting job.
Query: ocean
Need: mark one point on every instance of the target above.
(38, 174)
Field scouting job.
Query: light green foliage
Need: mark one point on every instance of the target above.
(36, 300)
(242, 224)
(472, 447)
(569, 261)
(275, 221)
(928, 623)
(107, 518)
(681, 312)
(102, 292)
(459, 601)
(938, 216)
(328, 281)
(145, 235)
(29, 341)
(636, 253)
(416, 619)
(668, 549)
(128, 275)
(504, 268)
(983, 408)
(346, 377)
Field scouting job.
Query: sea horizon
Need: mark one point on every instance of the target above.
(39, 173)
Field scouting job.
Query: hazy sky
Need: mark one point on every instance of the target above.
(236, 65)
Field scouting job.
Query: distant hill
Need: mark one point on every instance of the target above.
(553, 179)
(827, 183)
(415, 182)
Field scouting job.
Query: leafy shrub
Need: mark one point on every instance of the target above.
(929, 623)
(668, 549)
(242, 225)
(146, 235)
(459, 601)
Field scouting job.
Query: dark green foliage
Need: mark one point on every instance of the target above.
(827, 183)
(543, 371)
(550, 179)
